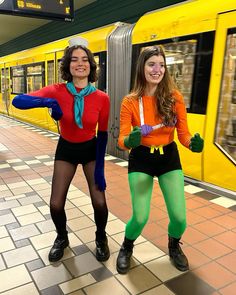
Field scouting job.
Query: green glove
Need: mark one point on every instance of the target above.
(196, 143)
(134, 138)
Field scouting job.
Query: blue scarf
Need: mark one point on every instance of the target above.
(79, 100)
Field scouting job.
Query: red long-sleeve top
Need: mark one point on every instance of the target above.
(130, 117)
(96, 111)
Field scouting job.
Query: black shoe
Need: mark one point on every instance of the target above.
(102, 250)
(177, 256)
(123, 259)
(57, 250)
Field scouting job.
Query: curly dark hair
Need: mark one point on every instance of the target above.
(165, 101)
(65, 64)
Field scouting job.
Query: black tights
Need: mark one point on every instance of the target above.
(62, 177)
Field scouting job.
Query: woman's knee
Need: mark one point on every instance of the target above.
(180, 220)
(56, 206)
(98, 199)
(141, 221)
(99, 206)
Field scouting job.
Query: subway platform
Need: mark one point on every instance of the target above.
(27, 232)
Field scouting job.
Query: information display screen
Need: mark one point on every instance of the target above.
(49, 9)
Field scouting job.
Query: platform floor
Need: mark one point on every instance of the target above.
(27, 232)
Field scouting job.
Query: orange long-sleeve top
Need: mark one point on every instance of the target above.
(130, 117)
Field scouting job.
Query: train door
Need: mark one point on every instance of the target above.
(50, 68)
(59, 55)
(5, 89)
(220, 135)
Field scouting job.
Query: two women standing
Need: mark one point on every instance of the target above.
(154, 109)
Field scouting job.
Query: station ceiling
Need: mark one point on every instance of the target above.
(12, 26)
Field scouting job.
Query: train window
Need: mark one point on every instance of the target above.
(6, 77)
(2, 80)
(18, 79)
(96, 57)
(225, 136)
(189, 61)
(100, 59)
(180, 60)
(59, 78)
(34, 77)
(50, 72)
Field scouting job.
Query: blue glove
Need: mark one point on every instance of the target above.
(100, 155)
(56, 112)
(24, 102)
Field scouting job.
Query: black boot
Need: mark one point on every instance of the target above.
(123, 259)
(177, 256)
(102, 250)
(57, 250)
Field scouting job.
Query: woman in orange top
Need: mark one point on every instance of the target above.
(154, 109)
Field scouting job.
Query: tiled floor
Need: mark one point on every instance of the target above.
(27, 232)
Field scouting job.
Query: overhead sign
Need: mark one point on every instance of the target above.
(49, 9)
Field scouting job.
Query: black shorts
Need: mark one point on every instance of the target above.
(76, 153)
(156, 164)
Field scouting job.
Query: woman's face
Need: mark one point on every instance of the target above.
(79, 65)
(154, 69)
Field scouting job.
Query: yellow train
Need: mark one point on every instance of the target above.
(200, 41)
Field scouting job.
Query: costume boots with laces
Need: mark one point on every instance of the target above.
(123, 259)
(176, 254)
(57, 250)
(102, 249)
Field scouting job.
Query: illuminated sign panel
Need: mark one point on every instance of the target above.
(49, 9)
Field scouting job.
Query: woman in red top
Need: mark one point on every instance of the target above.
(154, 110)
(81, 108)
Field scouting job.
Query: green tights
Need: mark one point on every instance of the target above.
(172, 186)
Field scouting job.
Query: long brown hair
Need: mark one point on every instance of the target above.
(65, 64)
(164, 92)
